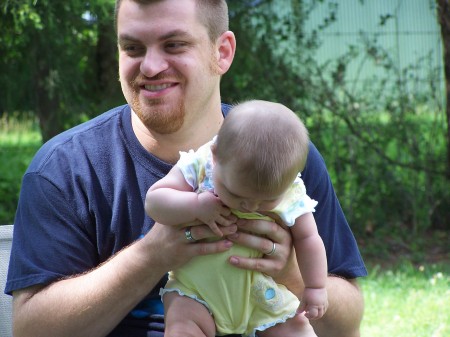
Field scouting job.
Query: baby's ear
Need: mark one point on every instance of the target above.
(213, 148)
(214, 151)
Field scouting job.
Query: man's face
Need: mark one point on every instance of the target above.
(167, 63)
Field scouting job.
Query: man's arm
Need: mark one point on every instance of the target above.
(92, 304)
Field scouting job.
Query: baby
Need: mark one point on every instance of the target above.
(251, 169)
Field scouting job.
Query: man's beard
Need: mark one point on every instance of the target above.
(160, 120)
(164, 121)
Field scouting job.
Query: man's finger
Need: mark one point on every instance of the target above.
(261, 244)
(205, 248)
(215, 229)
(265, 228)
(261, 265)
(204, 232)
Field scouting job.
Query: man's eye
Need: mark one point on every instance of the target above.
(175, 46)
(132, 49)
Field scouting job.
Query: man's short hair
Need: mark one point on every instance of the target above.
(213, 14)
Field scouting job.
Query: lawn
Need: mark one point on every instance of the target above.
(407, 301)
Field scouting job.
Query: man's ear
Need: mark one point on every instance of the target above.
(226, 49)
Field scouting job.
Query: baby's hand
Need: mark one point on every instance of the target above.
(314, 302)
(213, 212)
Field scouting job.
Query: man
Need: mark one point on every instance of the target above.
(85, 260)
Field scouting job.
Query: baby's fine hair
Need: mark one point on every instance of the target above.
(269, 142)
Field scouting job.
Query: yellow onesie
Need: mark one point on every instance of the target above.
(240, 301)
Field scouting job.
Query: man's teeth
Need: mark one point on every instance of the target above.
(152, 87)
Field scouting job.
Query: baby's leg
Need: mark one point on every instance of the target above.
(185, 317)
(297, 326)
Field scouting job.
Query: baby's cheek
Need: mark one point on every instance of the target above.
(230, 204)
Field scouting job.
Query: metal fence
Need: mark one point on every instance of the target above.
(408, 30)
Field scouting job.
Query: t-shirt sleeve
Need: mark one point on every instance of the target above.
(49, 241)
(343, 256)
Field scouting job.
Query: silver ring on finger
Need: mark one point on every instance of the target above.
(274, 248)
(188, 234)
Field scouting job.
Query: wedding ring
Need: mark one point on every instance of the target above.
(188, 234)
(274, 248)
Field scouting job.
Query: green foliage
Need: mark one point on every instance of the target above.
(274, 52)
(51, 51)
(386, 148)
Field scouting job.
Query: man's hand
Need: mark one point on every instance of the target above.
(176, 250)
(262, 235)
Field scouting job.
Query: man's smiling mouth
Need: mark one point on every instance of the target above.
(157, 87)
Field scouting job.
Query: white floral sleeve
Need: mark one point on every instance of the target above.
(192, 164)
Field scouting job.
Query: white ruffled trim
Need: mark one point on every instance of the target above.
(269, 325)
(163, 291)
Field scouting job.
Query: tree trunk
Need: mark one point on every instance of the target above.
(45, 100)
(444, 21)
(109, 91)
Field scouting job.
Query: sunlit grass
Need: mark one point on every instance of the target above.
(19, 140)
(19, 132)
(407, 301)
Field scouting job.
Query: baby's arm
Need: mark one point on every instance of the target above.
(171, 201)
(311, 257)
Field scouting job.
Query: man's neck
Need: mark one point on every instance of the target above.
(167, 146)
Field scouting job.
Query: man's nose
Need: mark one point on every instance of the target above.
(154, 62)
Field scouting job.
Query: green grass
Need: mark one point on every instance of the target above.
(407, 301)
(19, 141)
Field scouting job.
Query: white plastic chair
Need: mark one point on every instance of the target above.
(6, 234)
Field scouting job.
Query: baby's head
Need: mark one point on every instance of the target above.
(266, 145)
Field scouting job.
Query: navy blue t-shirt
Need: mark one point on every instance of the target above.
(82, 200)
